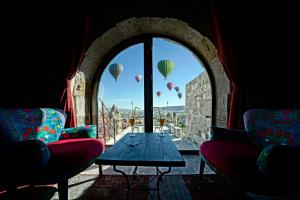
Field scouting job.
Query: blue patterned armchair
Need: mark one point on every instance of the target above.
(263, 159)
(36, 149)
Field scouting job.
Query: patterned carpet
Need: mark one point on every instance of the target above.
(172, 187)
(113, 187)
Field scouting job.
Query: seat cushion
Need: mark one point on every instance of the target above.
(230, 157)
(72, 154)
(237, 161)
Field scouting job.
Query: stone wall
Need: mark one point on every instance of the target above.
(198, 109)
(86, 95)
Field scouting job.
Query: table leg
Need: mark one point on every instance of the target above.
(126, 178)
(159, 174)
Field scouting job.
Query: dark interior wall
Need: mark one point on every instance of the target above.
(196, 14)
(272, 73)
(35, 42)
(36, 45)
(266, 44)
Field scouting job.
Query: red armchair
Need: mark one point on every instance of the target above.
(36, 149)
(262, 160)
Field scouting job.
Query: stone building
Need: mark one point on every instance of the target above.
(174, 118)
(116, 119)
(169, 118)
(198, 108)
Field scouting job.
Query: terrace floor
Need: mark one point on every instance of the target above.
(182, 144)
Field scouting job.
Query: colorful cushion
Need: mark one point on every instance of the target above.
(44, 124)
(266, 126)
(79, 132)
(276, 159)
(262, 161)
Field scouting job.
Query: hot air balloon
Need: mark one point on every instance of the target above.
(158, 93)
(179, 95)
(138, 77)
(177, 88)
(170, 86)
(115, 70)
(165, 67)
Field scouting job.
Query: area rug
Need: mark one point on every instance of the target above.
(172, 187)
(113, 187)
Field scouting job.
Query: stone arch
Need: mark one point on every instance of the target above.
(85, 101)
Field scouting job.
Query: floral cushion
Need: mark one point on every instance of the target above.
(79, 132)
(267, 126)
(262, 161)
(275, 159)
(44, 124)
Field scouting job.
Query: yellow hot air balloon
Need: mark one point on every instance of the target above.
(165, 67)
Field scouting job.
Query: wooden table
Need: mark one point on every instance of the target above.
(143, 149)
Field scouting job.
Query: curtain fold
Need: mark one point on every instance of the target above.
(228, 60)
(81, 39)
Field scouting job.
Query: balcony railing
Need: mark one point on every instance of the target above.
(106, 126)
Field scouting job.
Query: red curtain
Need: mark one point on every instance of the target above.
(80, 40)
(226, 56)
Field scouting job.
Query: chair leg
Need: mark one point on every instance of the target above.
(202, 165)
(11, 190)
(63, 190)
(100, 170)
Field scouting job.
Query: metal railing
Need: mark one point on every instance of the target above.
(106, 128)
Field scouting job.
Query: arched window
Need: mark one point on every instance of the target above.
(154, 77)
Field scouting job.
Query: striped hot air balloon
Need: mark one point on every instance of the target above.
(115, 70)
(165, 67)
(138, 77)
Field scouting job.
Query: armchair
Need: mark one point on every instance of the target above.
(263, 159)
(36, 149)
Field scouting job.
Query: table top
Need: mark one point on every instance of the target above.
(143, 149)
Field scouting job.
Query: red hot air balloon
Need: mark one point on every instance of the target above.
(170, 86)
(158, 93)
(138, 77)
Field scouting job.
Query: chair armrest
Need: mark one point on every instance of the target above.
(23, 159)
(218, 133)
(280, 161)
(88, 131)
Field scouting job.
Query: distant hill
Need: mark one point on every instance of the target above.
(173, 109)
(125, 110)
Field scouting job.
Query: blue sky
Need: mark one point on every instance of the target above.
(127, 89)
